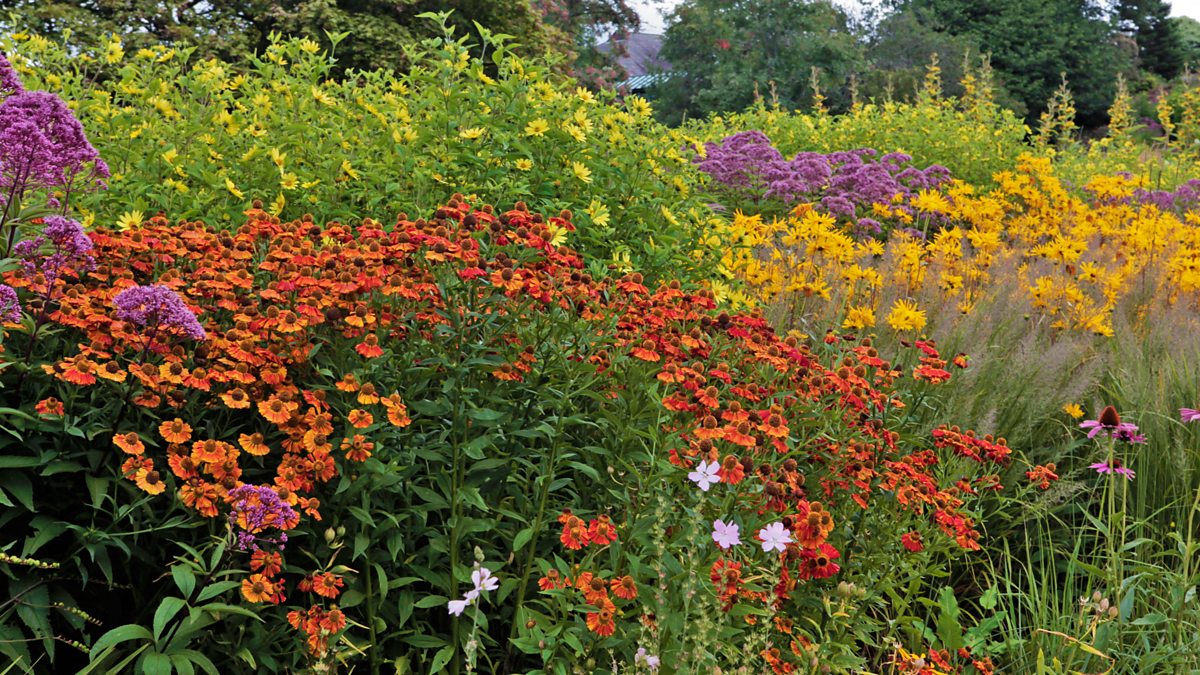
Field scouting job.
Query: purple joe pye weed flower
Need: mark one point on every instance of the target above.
(747, 166)
(10, 81)
(42, 147)
(155, 308)
(70, 248)
(10, 305)
(256, 509)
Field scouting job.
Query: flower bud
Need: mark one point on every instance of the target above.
(330, 535)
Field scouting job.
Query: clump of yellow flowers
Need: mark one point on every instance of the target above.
(1074, 257)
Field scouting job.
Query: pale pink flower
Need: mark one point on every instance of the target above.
(705, 475)
(726, 535)
(775, 537)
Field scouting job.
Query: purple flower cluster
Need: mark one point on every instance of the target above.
(69, 247)
(10, 82)
(42, 145)
(10, 306)
(254, 510)
(1186, 197)
(157, 307)
(748, 166)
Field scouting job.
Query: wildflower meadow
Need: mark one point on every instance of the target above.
(472, 368)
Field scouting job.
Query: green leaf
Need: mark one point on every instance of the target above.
(18, 485)
(156, 664)
(116, 636)
(184, 578)
(430, 601)
(521, 539)
(441, 659)
(213, 590)
(167, 609)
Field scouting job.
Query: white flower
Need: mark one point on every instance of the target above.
(457, 607)
(705, 475)
(775, 537)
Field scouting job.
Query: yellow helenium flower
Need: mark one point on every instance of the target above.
(905, 316)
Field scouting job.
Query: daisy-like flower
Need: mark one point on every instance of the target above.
(1189, 415)
(705, 475)
(1115, 467)
(726, 535)
(1109, 423)
(775, 537)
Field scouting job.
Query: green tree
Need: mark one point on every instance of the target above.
(581, 25)
(378, 31)
(723, 53)
(1148, 22)
(1033, 42)
(900, 48)
(1188, 30)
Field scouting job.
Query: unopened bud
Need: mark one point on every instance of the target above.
(330, 535)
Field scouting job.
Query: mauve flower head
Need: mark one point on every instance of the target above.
(43, 145)
(10, 82)
(1189, 415)
(10, 306)
(747, 166)
(69, 247)
(254, 510)
(156, 307)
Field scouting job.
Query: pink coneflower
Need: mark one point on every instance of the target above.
(1189, 415)
(1115, 467)
(1109, 423)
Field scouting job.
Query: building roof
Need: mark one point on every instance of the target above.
(641, 56)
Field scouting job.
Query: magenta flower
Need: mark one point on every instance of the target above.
(775, 537)
(705, 475)
(1189, 415)
(726, 535)
(1114, 468)
(1110, 425)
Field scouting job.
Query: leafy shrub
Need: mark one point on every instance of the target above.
(202, 138)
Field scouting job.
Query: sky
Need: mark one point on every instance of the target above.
(652, 11)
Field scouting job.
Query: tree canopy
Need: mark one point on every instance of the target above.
(723, 53)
